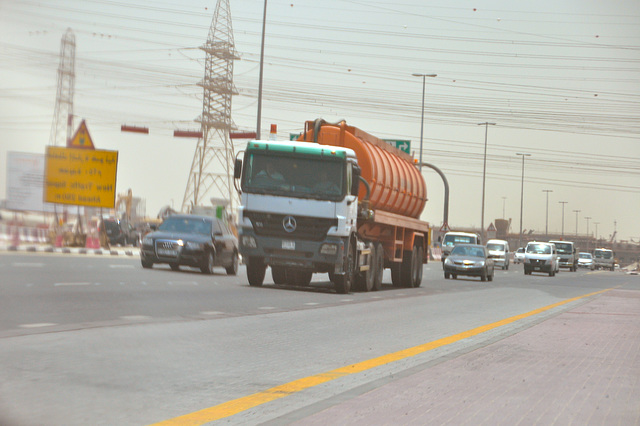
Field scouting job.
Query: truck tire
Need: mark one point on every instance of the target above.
(418, 276)
(344, 282)
(255, 271)
(396, 275)
(279, 275)
(378, 266)
(409, 268)
(364, 279)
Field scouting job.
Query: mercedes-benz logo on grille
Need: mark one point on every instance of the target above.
(289, 223)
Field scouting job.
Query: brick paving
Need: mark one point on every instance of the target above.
(581, 367)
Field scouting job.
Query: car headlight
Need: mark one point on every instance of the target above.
(191, 245)
(447, 261)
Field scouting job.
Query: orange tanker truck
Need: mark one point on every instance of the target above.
(336, 201)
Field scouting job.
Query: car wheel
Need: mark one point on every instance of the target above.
(233, 268)
(483, 275)
(490, 277)
(146, 264)
(174, 266)
(447, 275)
(207, 265)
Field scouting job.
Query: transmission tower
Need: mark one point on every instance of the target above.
(62, 125)
(211, 174)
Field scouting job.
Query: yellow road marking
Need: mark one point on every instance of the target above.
(230, 408)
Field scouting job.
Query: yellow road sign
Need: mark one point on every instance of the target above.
(81, 139)
(80, 177)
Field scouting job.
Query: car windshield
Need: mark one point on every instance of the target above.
(495, 246)
(186, 225)
(539, 249)
(520, 250)
(467, 251)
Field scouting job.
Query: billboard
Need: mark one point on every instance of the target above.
(25, 177)
(80, 177)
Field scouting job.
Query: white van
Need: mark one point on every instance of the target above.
(452, 238)
(499, 252)
(541, 257)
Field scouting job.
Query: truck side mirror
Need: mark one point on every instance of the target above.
(237, 169)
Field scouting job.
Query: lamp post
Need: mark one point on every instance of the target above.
(546, 226)
(563, 203)
(596, 236)
(521, 195)
(503, 203)
(576, 212)
(484, 173)
(264, 24)
(588, 218)
(424, 78)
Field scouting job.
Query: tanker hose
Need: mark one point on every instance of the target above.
(316, 128)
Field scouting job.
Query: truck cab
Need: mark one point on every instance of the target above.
(299, 209)
(567, 254)
(452, 238)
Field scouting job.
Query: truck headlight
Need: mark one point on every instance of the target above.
(249, 242)
(329, 249)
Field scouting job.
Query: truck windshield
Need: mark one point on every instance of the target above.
(302, 177)
(564, 248)
(452, 240)
(603, 254)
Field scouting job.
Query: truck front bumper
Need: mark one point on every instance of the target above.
(318, 256)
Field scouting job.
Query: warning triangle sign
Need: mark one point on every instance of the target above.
(81, 139)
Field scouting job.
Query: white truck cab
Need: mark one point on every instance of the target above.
(452, 238)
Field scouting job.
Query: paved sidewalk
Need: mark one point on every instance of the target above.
(581, 367)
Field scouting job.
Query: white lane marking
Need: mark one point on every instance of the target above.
(36, 325)
(211, 313)
(347, 300)
(311, 304)
(28, 264)
(121, 266)
(71, 284)
(267, 307)
(135, 317)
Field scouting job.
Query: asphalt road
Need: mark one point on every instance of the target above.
(99, 340)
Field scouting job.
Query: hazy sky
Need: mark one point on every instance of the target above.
(561, 80)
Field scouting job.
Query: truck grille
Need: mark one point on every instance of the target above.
(307, 228)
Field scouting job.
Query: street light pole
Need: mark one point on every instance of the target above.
(546, 226)
(596, 236)
(484, 174)
(576, 212)
(587, 217)
(264, 24)
(563, 203)
(424, 78)
(503, 203)
(521, 196)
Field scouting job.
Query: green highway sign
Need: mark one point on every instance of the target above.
(401, 145)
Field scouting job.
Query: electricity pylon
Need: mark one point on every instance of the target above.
(62, 125)
(211, 174)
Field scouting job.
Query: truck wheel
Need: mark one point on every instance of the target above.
(344, 282)
(419, 256)
(364, 279)
(279, 275)
(409, 268)
(255, 271)
(396, 269)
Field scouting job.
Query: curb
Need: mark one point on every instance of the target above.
(71, 250)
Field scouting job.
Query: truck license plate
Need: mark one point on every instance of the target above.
(288, 245)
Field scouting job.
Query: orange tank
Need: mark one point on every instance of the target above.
(396, 184)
